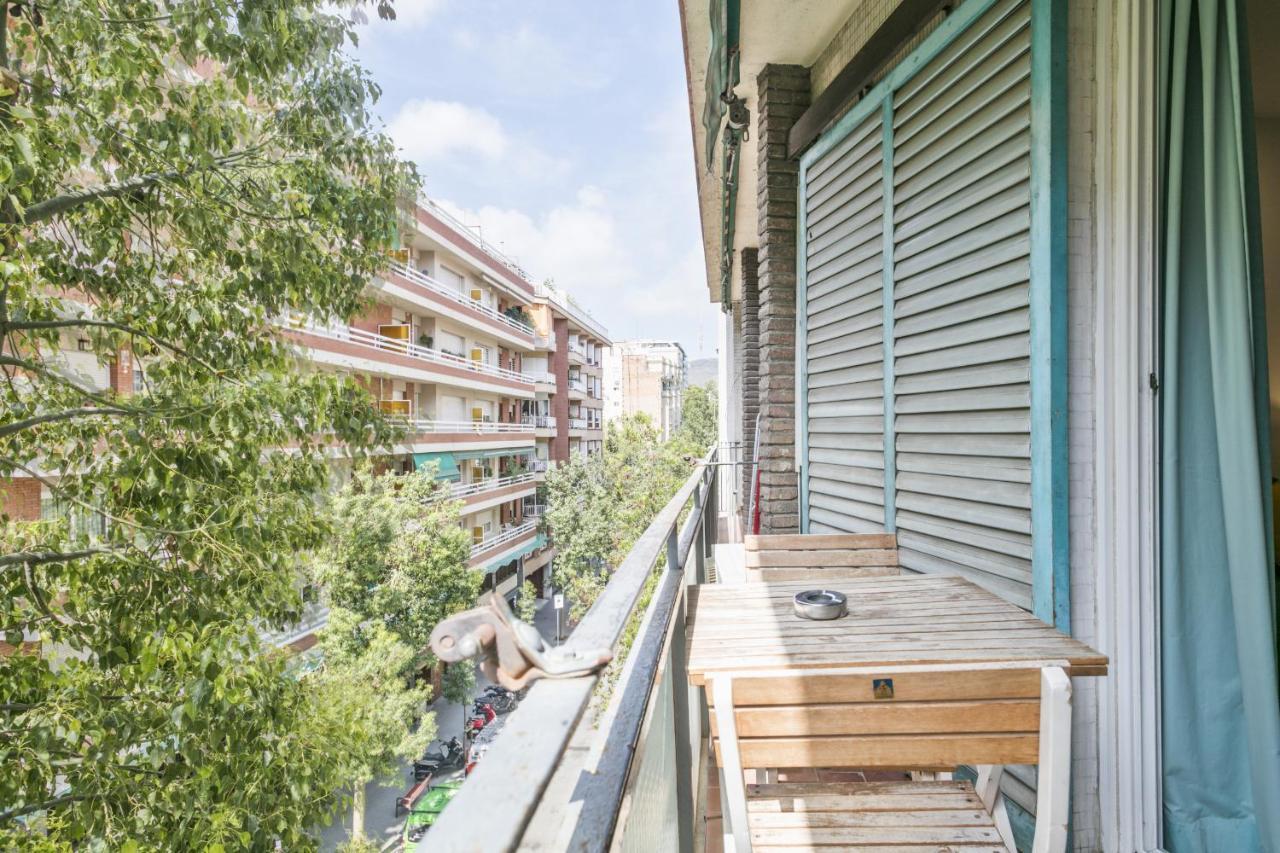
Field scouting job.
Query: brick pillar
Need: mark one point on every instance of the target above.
(122, 373)
(560, 402)
(783, 94)
(20, 498)
(747, 318)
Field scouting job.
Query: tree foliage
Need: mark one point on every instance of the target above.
(175, 177)
(699, 419)
(598, 506)
(397, 561)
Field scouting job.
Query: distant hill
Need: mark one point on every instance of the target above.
(703, 370)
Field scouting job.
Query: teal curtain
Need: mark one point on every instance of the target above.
(1220, 711)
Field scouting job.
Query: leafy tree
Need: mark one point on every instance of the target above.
(458, 686)
(527, 602)
(395, 567)
(397, 560)
(698, 418)
(369, 698)
(598, 506)
(174, 178)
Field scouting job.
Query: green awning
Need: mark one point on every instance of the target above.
(447, 463)
(538, 542)
(493, 454)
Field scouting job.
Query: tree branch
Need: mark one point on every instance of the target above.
(41, 807)
(19, 426)
(77, 322)
(37, 558)
(69, 201)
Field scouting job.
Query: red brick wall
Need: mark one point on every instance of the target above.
(376, 315)
(22, 499)
(560, 402)
(122, 373)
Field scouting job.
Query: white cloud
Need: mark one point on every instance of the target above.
(415, 13)
(428, 130)
(636, 287)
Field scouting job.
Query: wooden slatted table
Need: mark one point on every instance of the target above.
(908, 619)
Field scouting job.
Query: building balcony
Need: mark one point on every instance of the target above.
(545, 382)
(658, 765)
(421, 289)
(503, 545)
(482, 494)
(356, 349)
(314, 617)
(544, 342)
(577, 354)
(577, 423)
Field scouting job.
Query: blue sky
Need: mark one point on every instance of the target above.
(561, 128)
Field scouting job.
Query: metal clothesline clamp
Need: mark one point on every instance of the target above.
(511, 653)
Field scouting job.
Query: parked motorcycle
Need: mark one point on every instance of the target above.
(502, 699)
(482, 714)
(448, 756)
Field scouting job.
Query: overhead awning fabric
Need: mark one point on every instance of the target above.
(539, 541)
(448, 465)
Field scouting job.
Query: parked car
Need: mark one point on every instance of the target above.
(427, 809)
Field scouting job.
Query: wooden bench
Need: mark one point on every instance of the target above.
(828, 556)
(926, 717)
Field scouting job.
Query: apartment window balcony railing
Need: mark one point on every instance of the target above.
(577, 384)
(349, 334)
(504, 537)
(477, 427)
(577, 423)
(541, 466)
(476, 240)
(466, 490)
(542, 376)
(534, 510)
(637, 777)
(539, 421)
(544, 341)
(431, 284)
(314, 617)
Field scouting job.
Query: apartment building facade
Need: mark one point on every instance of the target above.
(448, 347)
(647, 377)
(981, 291)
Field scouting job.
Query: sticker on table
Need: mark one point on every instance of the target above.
(882, 688)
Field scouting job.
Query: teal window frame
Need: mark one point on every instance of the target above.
(1050, 510)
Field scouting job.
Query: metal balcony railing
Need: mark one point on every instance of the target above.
(350, 334)
(478, 427)
(466, 490)
(431, 284)
(314, 617)
(540, 421)
(541, 376)
(534, 510)
(577, 423)
(475, 239)
(577, 384)
(632, 772)
(505, 537)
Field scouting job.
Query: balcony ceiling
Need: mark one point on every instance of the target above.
(791, 32)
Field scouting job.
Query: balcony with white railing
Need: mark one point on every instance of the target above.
(502, 540)
(541, 377)
(468, 232)
(577, 353)
(544, 341)
(510, 324)
(577, 423)
(540, 422)
(372, 345)
(314, 617)
(474, 427)
(480, 488)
